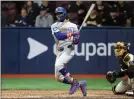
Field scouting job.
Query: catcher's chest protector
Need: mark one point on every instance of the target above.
(122, 64)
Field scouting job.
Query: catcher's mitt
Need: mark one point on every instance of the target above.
(111, 76)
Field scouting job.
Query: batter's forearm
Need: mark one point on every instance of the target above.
(60, 36)
(63, 36)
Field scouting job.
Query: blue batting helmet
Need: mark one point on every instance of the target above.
(63, 12)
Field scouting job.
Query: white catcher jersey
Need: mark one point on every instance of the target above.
(64, 27)
(131, 59)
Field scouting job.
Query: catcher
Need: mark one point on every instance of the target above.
(125, 59)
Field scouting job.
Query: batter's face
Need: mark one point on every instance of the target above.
(58, 15)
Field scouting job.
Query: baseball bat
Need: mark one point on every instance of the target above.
(87, 15)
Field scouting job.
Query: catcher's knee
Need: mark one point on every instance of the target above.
(115, 91)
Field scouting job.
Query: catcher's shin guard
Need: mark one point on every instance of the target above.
(113, 89)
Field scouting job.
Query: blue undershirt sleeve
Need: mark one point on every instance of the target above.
(60, 36)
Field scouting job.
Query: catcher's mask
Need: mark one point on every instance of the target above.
(120, 48)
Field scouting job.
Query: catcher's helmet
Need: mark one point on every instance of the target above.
(61, 13)
(120, 48)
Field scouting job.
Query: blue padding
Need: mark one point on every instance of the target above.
(60, 36)
(63, 71)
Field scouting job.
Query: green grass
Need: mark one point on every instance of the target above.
(50, 84)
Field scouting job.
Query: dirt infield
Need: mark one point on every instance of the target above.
(60, 94)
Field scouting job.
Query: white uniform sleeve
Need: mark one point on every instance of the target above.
(131, 61)
(54, 29)
(131, 57)
(75, 28)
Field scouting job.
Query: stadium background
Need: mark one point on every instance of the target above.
(95, 58)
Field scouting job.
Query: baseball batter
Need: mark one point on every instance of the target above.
(66, 35)
(126, 60)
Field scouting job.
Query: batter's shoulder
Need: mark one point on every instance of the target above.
(54, 24)
(73, 24)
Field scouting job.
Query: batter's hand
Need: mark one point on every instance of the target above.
(76, 33)
(73, 34)
(76, 39)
